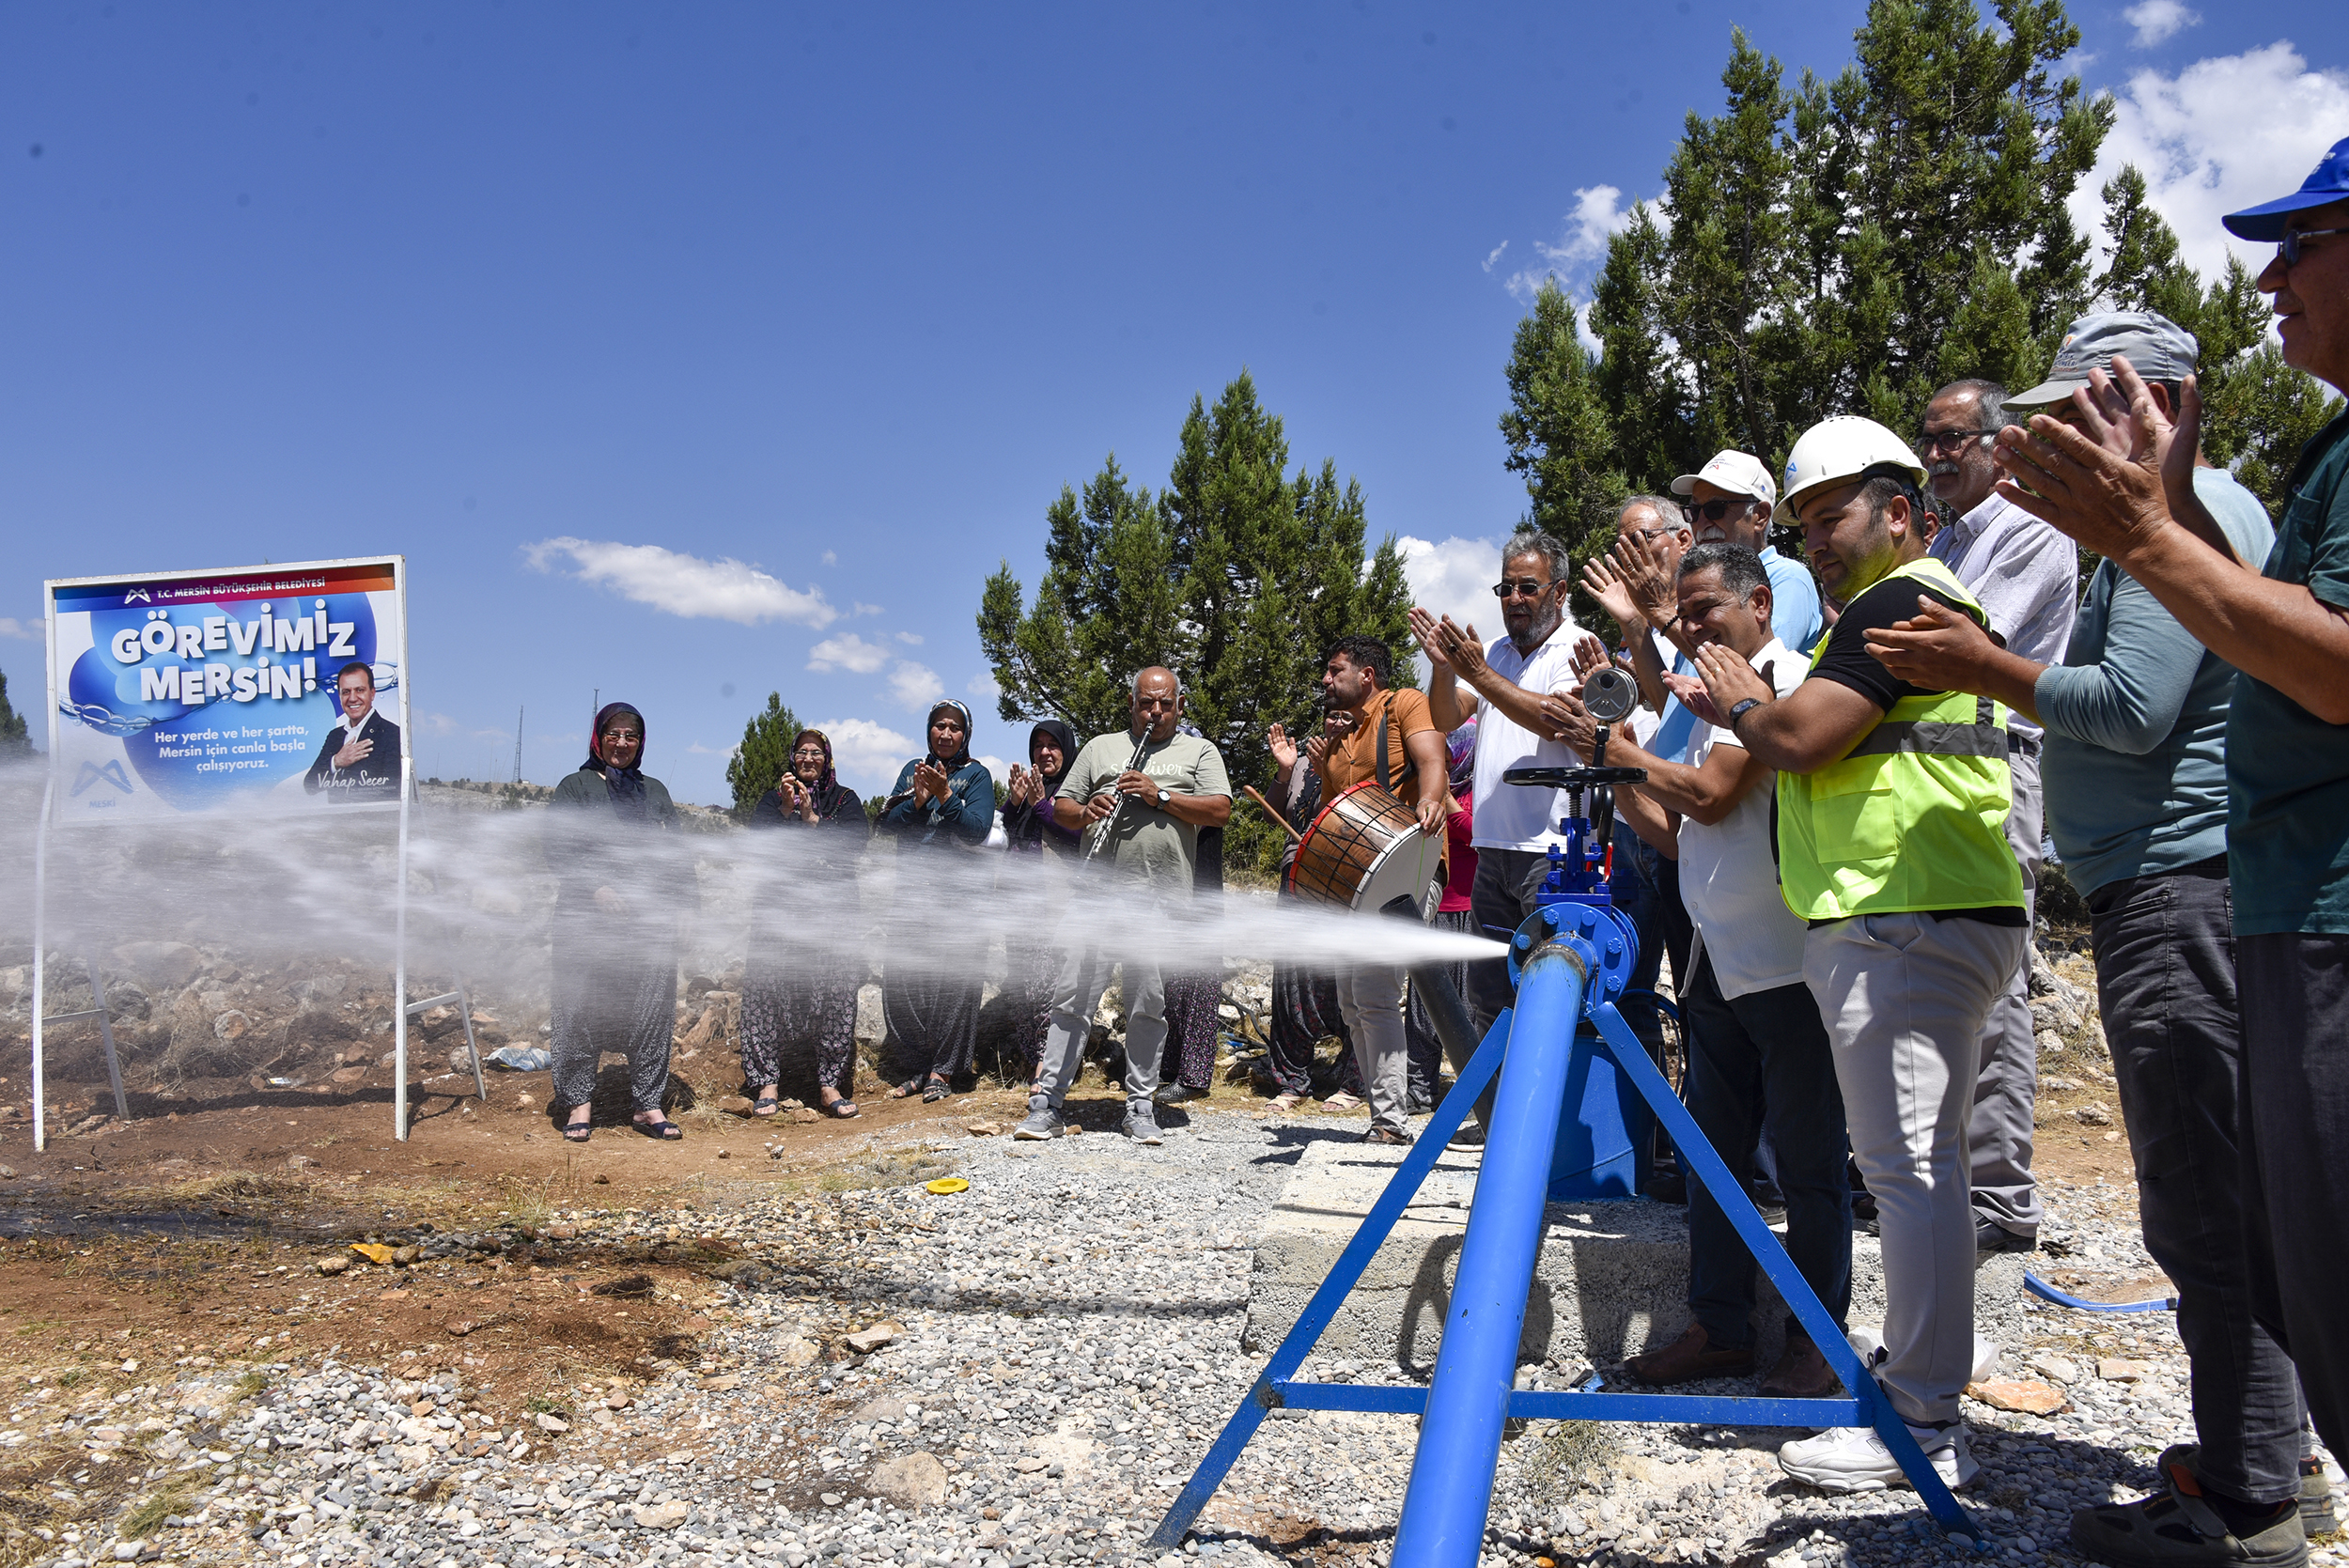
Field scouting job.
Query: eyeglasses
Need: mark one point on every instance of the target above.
(1717, 508)
(1931, 442)
(1523, 587)
(1140, 701)
(2294, 239)
(622, 735)
(812, 754)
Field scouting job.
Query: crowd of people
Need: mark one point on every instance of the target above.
(1854, 764)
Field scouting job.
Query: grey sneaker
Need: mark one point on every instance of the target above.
(1141, 1125)
(1043, 1122)
(1180, 1093)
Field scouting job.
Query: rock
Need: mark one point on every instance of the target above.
(983, 1129)
(2114, 1368)
(348, 1075)
(803, 1115)
(882, 1410)
(2060, 1084)
(160, 964)
(2095, 1114)
(916, 1480)
(546, 1423)
(2030, 1397)
(334, 1266)
(406, 1255)
(2056, 1368)
(869, 1028)
(8, 1173)
(232, 1025)
(735, 1105)
(90, 1124)
(798, 1353)
(668, 1515)
(301, 1162)
(725, 1154)
(866, 1341)
(722, 1385)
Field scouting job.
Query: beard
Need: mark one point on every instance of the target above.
(1537, 629)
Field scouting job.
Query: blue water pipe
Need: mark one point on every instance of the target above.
(2040, 1287)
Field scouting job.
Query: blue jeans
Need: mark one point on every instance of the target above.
(2166, 967)
(1761, 1058)
(1646, 887)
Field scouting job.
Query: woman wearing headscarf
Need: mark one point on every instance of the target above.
(1037, 835)
(799, 990)
(616, 933)
(1453, 913)
(943, 803)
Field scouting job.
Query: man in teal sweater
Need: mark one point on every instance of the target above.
(2134, 773)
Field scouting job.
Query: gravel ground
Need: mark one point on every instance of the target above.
(1065, 1348)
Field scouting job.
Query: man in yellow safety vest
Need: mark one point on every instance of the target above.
(1892, 843)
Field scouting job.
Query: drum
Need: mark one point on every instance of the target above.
(1364, 852)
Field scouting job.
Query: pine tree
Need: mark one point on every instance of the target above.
(764, 754)
(16, 740)
(1237, 576)
(1557, 432)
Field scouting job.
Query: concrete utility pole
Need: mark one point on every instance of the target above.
(518, 742)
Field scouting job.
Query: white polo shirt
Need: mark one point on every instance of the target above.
(1729, 871)
(1513, 817)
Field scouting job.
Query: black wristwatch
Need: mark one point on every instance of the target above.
(1740, 710)
(1163, 798)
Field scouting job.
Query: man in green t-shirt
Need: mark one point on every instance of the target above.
(2120, 480)
(1145, 793)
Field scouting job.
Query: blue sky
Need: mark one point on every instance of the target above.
(574, 305)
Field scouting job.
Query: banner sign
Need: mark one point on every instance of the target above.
(255, 689)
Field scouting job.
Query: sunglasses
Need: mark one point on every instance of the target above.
(1523, 587)
(1946, 441)
(2289, 248)
(1717, 508)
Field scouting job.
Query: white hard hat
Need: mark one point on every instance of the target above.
(1837, 451)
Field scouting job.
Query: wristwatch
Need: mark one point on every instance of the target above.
(1163, 798)
(1740, 710)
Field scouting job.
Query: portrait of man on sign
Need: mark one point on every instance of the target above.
(360, 761)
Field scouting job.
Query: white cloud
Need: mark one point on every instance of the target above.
(867, 754)
(915, 684)
(1599, 214)
(912, 636)
(1495, 254)
(697, 749)
(2203, 155)
(436, 724)
(982, 685)
(847, 651)
(29, 630)
(996, 769)
(831, 557)
(861, 608)
(2157, 20)
(723, 590)
(1456, 579)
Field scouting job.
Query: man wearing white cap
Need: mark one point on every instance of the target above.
(2027, 576)
(1728, 501)
(1891, 805)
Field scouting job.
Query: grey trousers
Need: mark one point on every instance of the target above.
(1084, 974)
(2295, 1097)
(2006, 1092)
(1370, 997)
(1903, 998)
(2165, 982)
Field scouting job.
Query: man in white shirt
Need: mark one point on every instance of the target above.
(2025, 577)
(1505, 684)
(1757, 1048)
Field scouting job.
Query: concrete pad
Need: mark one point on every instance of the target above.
(1611, 1282)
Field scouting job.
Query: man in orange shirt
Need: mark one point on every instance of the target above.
(1390, 738)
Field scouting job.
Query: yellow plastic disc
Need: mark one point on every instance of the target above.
(948, 1184)
(374, 1252)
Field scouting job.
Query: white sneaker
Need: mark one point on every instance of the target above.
(1854, 1458)
(1867, 1341)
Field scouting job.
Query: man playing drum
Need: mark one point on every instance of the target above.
(1390, 734)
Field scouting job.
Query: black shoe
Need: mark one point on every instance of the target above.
(1991, 1237)
(1668, 1186)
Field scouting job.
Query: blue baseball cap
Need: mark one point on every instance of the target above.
(2265, 224)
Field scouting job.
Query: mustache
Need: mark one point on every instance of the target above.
(1942, 470)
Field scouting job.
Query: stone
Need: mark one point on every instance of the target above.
(2115, 1369)
(160, 964)
(726, 1384)
(864, 1342)
(803, 1116)
(2095, 1114)
(8, 1173)
(882, 1410)
(334, 1266)
(2056, 1368)
(662, 1516)
(983, 1129)
(232, 1025)
(348, 1075)
(916, 1480)
(798, 1353)
(546, 1423)
(2032, 1398)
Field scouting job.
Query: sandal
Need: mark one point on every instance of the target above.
(844, 1109)
(937, 1089)
(1283, 1102)
(576, 1132)
(765, 1105)
(906, 1089)
(663, 1129)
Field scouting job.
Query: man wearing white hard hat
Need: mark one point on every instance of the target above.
(2026, 577)
(1891, 841)
(1729, 501)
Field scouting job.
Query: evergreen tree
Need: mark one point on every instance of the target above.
(1843, 246)
(1237, 576)
(764, 754)
(1556, 430)
(16, 740)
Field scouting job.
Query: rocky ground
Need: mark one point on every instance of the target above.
(1020, 1371)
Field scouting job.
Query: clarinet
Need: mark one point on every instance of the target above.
(1108, 824)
